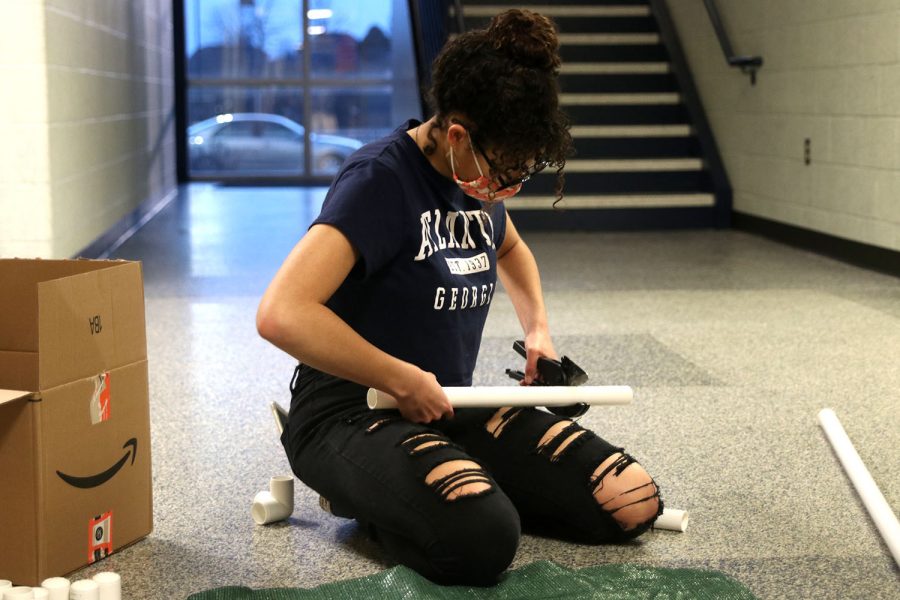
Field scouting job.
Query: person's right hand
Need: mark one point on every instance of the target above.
(423, 400)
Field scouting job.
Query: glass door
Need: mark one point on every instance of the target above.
(288, 89)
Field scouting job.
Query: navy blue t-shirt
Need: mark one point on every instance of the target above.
(428, 257)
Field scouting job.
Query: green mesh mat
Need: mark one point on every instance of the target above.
(541, 579)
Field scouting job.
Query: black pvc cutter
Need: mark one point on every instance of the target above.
(554, 372)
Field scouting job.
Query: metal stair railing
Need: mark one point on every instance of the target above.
(748, 64)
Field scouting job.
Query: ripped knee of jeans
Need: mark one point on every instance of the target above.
(421, 443)
(459, 478)
(626, 492)
(559, 438)
(500, 419)
(451, 473)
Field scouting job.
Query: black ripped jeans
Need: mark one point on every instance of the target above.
(368, 466)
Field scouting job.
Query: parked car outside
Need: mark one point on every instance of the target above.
(261, 144)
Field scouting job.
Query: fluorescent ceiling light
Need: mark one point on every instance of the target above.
(319, 13)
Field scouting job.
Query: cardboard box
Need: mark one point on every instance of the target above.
(74, 415)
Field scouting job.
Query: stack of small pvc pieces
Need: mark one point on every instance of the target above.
(102, 586)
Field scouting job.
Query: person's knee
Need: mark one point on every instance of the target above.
(625, 491)
(479, 532)
(479, 561)
(478, 547)
(454, 479)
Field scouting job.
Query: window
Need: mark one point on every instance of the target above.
(297, 84)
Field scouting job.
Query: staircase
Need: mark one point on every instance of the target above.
(645, 158)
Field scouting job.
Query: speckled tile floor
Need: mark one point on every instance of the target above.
(732, 343)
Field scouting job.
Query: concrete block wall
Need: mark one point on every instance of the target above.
(25, 221)
(831, 75)
(102, 104)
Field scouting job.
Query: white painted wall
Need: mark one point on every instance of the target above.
(91, 86)
(831, 74)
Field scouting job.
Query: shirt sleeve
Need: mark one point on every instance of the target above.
(365, 203)
(499, 218)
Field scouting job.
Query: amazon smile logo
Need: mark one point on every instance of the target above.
(92, 481)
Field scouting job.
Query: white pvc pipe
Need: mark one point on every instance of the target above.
(19, 592)
(5, 584)
(84, 589)
(878, 508)
(519, 395)
(57, 588)
(40, 593)
(110, 585)
(672, 519)
(277, 504)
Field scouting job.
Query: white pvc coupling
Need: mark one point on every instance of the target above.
(57, 588)
(84, 589)
(277, 504)
(672, 519)
(19, 592)
(110, 585)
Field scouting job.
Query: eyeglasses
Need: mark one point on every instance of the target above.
(502, 180)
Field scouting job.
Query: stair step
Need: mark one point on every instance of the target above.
(618, 219)
(611, 68)
(618, 99)
(609, 39)
(584, 24)
(630, 83)
(630, 165)
(571, 201)
(634, 114)
(603, 39)
(613, 53)
(637, 147)
(579, 131)
(621, 182)
(638, 47)
(563, 10)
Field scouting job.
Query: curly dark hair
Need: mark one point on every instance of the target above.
(503, 81)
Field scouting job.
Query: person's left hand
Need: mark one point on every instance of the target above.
(537, 345)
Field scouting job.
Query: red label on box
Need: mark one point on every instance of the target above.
(100, 537)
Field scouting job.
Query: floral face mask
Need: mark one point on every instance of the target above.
(483, 188)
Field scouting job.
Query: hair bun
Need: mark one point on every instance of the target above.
(526, 36)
